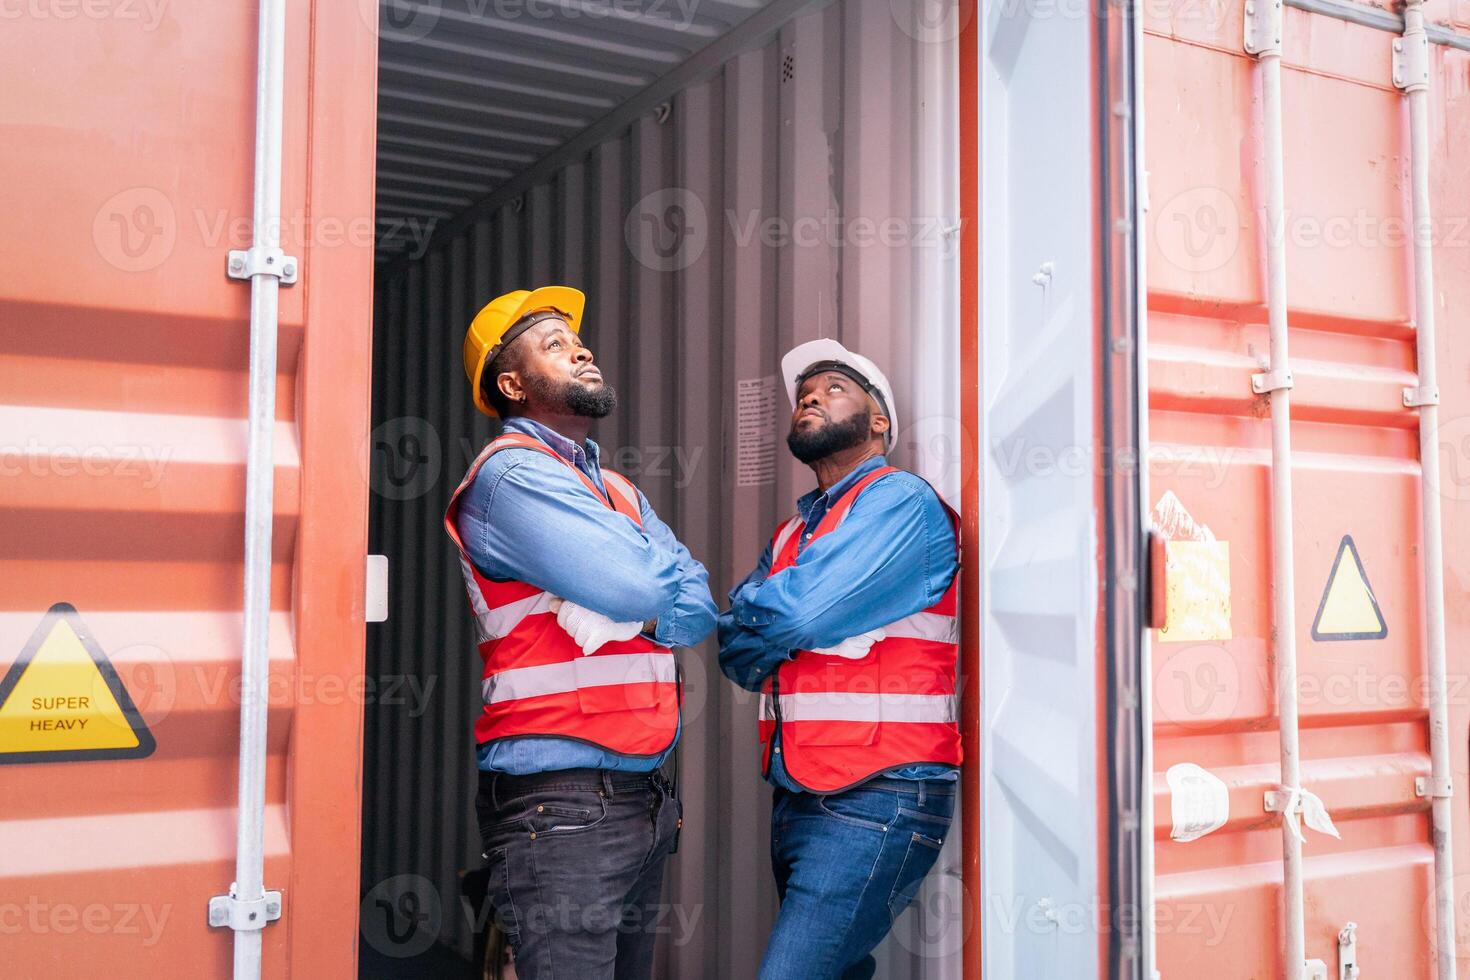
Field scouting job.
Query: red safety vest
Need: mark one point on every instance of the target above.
(843, 721)
(536, 680)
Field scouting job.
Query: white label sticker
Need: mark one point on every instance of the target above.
(755, 431)
(1199, 799)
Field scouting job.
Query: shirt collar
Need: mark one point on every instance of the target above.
(566, 448)
(807, 502)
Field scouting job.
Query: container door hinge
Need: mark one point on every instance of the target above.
(1347, 952)
(1432, 788)
(1411, 61)
(1419, 397)
(229, 912)
(247, 263)
(1270, 381)
(1263, 27)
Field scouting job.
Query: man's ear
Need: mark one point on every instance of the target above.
(880, 424)
(509, 383)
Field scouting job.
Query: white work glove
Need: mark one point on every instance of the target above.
(854, 647)
(591, 629)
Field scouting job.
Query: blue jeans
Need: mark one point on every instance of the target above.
(846, 865)
(576, 860)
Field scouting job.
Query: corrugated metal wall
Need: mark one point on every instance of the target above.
(808, 189)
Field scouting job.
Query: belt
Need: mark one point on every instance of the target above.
(931, 787)
(607, 781)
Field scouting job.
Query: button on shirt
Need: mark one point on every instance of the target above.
(892, 556)
(527, 518)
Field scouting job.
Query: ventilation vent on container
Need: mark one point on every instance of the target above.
(788, 69)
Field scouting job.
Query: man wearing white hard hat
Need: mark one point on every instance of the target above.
(847, 628)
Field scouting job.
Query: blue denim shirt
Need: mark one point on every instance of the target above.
(545, 527)
(893, 556)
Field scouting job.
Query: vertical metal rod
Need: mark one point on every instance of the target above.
(1140, 355)
(259, 483)
(1414, 79)
(1265, 43)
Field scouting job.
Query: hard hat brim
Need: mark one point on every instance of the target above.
(572, 302)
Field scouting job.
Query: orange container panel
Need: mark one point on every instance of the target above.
(123, 349)
(1360, 599)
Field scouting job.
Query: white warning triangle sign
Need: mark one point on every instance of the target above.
(62, 701)
(1348, 610)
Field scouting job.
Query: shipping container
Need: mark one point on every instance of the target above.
(1050, 222)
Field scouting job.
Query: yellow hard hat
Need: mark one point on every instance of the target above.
(487, 331)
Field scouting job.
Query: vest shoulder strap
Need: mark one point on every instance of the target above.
(839, 510)
(783, 536)
(623, 494)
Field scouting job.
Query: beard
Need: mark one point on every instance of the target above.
(574, 397)
(810, 445)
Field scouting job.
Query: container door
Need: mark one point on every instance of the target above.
(123, 367)
(1039, 539)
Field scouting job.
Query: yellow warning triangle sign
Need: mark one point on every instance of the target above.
(62, 701)
(1348, 610)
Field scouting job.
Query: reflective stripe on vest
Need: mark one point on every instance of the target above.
(924, 709)
(845, 720)
(536, 680)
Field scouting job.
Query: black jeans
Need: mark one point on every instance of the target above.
(576, 862)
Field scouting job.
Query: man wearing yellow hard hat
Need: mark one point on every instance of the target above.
(579, 592)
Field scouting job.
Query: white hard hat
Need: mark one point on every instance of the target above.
(816, 354)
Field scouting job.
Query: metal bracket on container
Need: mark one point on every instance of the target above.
(1270, 381)
(1276, 800)
(228, 912)
(246, 263)
(1419, 397)
(1432, 788)
(1315, 970)
(1411, 61)
(1347, 952)
(1263, 27)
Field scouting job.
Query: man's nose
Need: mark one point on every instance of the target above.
(584, 354)
(811, 399)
